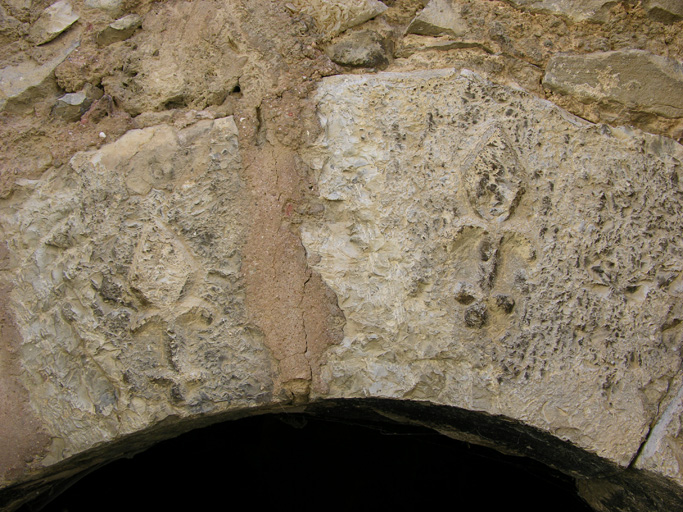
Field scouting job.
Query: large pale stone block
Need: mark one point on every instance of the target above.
(127, 289)
(492, 252)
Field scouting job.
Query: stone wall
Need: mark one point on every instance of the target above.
(462, 214)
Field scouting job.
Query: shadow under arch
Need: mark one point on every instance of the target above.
(379, 451)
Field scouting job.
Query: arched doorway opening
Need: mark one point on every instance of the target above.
(344, 457)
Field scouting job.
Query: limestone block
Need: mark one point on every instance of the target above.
(364, 48)
(23, 84)
(120, 30)
(73, 105)
(634, 79)
(439, 17)
(492, 252)
(591, 10)
(335, 16)
(127, 287)
(53, 21)
(112, 6)
(664, 10)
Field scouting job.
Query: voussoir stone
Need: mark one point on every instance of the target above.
(127, 287)
(634, 79)
(492, 252)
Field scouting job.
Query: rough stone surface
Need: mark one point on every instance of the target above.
(364, 48)
(29, 81)
(591, 10)
(471, 235)
(634, 79)
(72, 106)
(120, 30)
(113, 6)
(52, 22)
(662, 452)
(440, 17)
(158, 73)
(484, 250)
(664, 10)
(333, 17)
(129, 294)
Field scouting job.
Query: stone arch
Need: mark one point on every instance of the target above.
(597, 481)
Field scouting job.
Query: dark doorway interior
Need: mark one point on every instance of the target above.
(302, 462)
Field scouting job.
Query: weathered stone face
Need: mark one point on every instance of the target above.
(198, 225)
(634, 79)
(492, 252)
(158, 72)
(127, 276)
(591, 10)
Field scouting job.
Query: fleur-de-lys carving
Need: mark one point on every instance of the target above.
(494, 177)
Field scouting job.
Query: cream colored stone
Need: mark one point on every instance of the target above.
(662, 451)
(492, 252)
(28, 82)
(170, 69)
(127, 289)
(440, 17)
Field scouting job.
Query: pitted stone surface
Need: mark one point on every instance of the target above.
(492, 252)
(127, 286)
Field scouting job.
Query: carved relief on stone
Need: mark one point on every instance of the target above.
(491, 273)
(488, 254)
(161, 266)
(494, 176)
